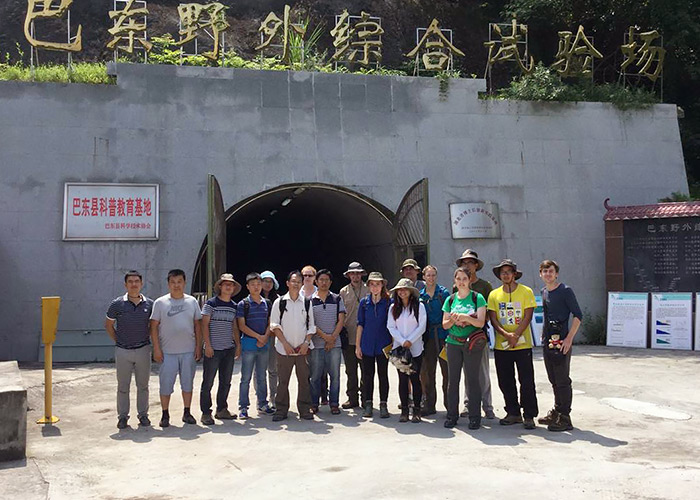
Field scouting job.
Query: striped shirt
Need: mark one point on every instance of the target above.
(222, 315)
(132, 321)
(326, 316)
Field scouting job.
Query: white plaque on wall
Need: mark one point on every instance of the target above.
(671, 320)
(627, 319)
(475, 220)
(95, 211)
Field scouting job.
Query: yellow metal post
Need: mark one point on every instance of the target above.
(49, 322)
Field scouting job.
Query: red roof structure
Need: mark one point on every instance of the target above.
(654, 211)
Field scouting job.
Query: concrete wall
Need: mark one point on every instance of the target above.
(549, 166)
(13, 413)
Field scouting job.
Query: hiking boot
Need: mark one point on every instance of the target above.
(511, 419)
(278, 417)
(307, 416)
(416, 416)
(122, 423)
(561, 424)
(529, 423)
(404, 416)
(164, 421)
(474, 423)
(428, 411)
(225, 415)
(188, 418)
(144, 421)
(368, 410)
(383, 411)
(335, 410)
(550, 418)
(206, 419)
(490, 415)
(450, 423)
(349, 404)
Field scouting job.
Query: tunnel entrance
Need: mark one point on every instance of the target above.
(290, 226)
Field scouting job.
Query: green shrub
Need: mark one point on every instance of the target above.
(594, 328)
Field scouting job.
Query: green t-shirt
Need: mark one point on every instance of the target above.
(463, 306)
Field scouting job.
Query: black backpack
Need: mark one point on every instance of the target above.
(307, 306)
(451, 299)
(246, 308)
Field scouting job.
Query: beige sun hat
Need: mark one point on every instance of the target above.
(355, 267)
(227, 277)
(407, 283)
(510, 263)
(376, 276)
(470, 254)
(410, 263)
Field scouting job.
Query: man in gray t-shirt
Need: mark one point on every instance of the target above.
(177, 343)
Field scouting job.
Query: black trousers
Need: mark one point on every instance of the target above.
(221, 362)
(352, 365)
(368, 364)
(414, 379)
(506, 363)
(558, 366)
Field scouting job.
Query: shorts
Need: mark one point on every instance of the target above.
(174, 364)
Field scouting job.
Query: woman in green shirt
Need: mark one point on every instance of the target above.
(464, 314)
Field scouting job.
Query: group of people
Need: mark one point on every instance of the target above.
(417, 325)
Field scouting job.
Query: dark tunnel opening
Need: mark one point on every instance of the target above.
(291, 226)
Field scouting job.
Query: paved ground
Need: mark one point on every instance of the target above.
(614, 452)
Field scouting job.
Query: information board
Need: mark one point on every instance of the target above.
(671, 320)
(662, 255)
(627, 319)
(537, 323)
(697, 323)
(475, 220)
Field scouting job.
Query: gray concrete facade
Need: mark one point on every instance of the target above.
(548, 166)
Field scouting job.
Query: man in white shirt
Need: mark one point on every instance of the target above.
(292, 322)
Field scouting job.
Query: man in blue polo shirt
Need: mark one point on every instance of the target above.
(253, 320)
(132, 354)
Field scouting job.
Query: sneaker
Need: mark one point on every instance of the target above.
(383, 411)
(563, 423)
(550, 418)
(511, 419)
(122, 423)
(474, 423)
(206, 419)
(144, 421)
(243, 413)
(489, 414)
(164, 421)
(335, 410)
(225, 415)
(450, 423)
(349, 404)
(278, 417)
(188, 418)
(529, 423)
(368, 410)
(266, 409)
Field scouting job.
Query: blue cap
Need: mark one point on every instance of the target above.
(270, 274)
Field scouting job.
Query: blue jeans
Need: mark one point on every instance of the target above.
(323, 361)
(257, 359)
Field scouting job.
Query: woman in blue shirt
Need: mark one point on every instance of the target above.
(433, 297)
(372, 337)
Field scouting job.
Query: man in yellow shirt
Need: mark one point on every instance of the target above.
(510, 308)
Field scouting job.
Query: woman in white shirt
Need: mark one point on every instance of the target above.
(406, 324)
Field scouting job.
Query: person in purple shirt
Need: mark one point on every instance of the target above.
(373, 336)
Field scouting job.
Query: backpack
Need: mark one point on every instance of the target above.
(307, 306)
(451, 299)
(246, 308)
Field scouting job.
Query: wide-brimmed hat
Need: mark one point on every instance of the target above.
(507, 262)
(270, 274)
(410, 263)
(470, 254)
(376, 276)
(355, 267)
(407, 283)
(227, 277)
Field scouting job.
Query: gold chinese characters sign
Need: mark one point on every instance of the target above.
(127, 27)
(508, 47)
(575, 55)
(435, 49)
(647, 56)
(270, 30)
(195, 17)
(47, 9)
(359, 41)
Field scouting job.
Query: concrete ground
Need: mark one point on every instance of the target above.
(619, 449)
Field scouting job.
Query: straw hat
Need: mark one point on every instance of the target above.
(410, 263)
(408, 284)
(470, 254)
(376, 276)
(227, 277)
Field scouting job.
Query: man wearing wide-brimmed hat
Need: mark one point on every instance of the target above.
(410, 270)
(510, 312)
(222, 345)
(351, 294)
(471, 261)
